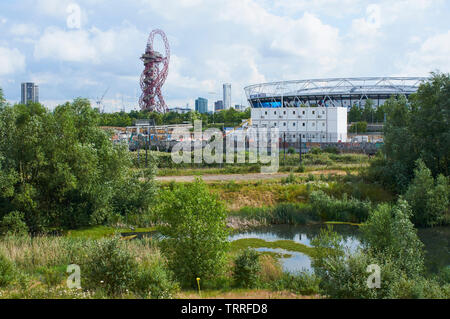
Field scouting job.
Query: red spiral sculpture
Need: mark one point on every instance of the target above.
(154, 76)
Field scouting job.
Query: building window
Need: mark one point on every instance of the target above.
(313, 112)
(275, 112)
(293, 136)
(293, 124)
(303, 124)
(293, 112)
(304, 136)
(284, 123)
(323, 112)
(284, 112)
(303, 112)
(314, 124)
(323, 124)
(265, 112)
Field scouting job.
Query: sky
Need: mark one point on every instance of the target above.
(82, 48)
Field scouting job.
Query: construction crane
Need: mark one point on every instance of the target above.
(99, 102)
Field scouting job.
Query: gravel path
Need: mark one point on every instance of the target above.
(241, 177)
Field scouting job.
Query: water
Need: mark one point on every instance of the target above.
(435, 240)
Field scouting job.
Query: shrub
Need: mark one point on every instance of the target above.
(291, 150)
(332, 209)
(6, 271)
(358, 127)
(193, 222)
(389, 241)
(304, 283)
(109, 266)
(289, 180)
(51, 276)
(155, 281)
(288, 213)
(247, 268)
(429, 199)
(13, 224)
(271, 269)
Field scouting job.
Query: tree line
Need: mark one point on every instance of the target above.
(228, 118)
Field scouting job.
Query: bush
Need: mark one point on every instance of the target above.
(193, 222)
(389, 241)
(332, 209)
(358, 127)
(429, 199)
(247, 268)
(51, 276)
(6, 271)
(288, 213)
(109, 266)
(304, 283)
(155, 281)
(13, 224)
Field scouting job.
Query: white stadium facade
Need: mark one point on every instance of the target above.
(316, 110)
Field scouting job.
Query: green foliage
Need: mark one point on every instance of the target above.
(332, 209)
(62, 171)
(429, 198)
(389, 241)
(13, 224)
(389, 232)
(304, 283)
(6, 271)
(282, 213)
(110, 267)
(247, 268)
(194, 222)
(416, 129)
(358, 127)
(51, 276)
(291, 150)
(153, 280)
(229, 118)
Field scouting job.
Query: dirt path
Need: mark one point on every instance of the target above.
(243, 177)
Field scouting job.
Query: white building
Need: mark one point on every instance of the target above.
(226, 96)
(314, 124)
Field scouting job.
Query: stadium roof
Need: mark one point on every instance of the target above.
(336, 86)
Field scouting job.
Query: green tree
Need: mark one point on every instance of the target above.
(389, 241)
(358, 127)
(194, 222)
(355, 114)
(61, 170)
(428, 198)
(416, 129)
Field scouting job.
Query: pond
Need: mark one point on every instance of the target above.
(435, 240)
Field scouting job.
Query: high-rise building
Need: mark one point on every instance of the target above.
(218, 106)
(201, 105)
(226, 96)
(29, 93)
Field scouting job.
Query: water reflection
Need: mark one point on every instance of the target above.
(436, 241)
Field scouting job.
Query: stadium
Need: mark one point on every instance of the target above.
(337, 92)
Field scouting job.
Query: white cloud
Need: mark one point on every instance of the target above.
(11, 61)
(89, 46)
(433, 54)
(23, 29)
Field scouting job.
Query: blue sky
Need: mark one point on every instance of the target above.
(213, 42)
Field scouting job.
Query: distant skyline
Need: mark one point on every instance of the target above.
(241, 42)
